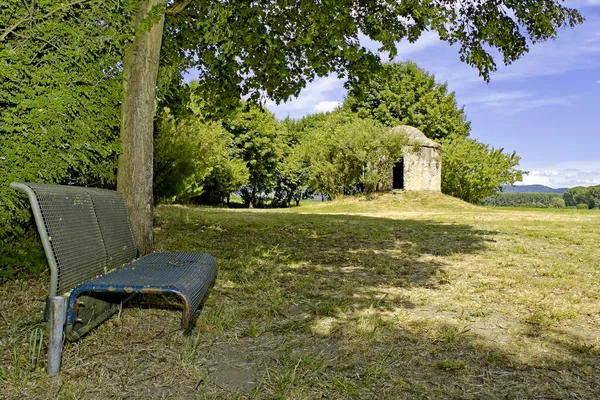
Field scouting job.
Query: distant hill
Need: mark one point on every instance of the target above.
(533, 189)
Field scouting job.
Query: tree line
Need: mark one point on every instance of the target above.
(577, 197)
(203, 153)
(202, 156)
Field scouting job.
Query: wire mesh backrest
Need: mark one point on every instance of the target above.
(73, 231)
(84, 245)
(113, 220)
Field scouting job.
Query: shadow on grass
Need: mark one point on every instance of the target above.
(328, 251)
(327, 285)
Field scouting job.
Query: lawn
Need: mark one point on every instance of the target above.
(396, 296)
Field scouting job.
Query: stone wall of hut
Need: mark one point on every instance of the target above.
(423, 169)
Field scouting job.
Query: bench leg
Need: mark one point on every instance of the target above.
(58, 314)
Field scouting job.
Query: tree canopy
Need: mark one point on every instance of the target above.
(277, 46)
(404, 94)
(579, 195)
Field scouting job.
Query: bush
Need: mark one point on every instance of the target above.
(22, 257)
(194, 160)
(472, 170)
(347, 154)
(557, 202)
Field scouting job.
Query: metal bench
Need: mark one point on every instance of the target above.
(91, 249)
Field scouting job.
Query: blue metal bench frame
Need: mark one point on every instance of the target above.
(90, 249)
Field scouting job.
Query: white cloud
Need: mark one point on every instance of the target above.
(530, 104)
(575, 49)
(404, 49)
(598, 81)
(326, 106)
(564, 174)
(494, 97)
(329, 89)
(535, 179)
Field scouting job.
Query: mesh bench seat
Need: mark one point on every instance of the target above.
(90, 249)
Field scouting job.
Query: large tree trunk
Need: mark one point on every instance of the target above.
(134, 176)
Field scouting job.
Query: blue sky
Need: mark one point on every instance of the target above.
(545, 106)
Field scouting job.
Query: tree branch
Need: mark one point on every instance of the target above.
(178, 6)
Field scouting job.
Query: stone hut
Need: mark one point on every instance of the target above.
(421, 167)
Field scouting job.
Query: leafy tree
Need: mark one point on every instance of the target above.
(472, 170)
(195, 160)
(575, 195)
(60, 89)
(589, 196)
(594, 197)
(254, 132)
(293, 168)
(278, 46)
(404, 94)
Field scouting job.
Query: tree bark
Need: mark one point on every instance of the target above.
(135, 169)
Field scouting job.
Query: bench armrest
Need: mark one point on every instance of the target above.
(37, 214)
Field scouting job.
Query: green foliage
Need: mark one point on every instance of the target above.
(404, 94)
(588, 196)
(276, 47)
(557, 202)
(201, 158)
(59, 98)
(22, 257)
(472, 170)
(195, 160)
(527, 199)
(60, 65)
(347, 154)
(293, 168)
(254, 131)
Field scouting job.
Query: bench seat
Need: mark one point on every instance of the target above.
(187, 275)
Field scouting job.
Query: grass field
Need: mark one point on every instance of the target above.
(397, 296)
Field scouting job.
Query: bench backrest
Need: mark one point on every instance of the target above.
(85, 231)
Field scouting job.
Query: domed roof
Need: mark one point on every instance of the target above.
(416, 135)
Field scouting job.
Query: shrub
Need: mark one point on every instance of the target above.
(472, 170)
(557, 202)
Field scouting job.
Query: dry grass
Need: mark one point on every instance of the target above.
(397, 296)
